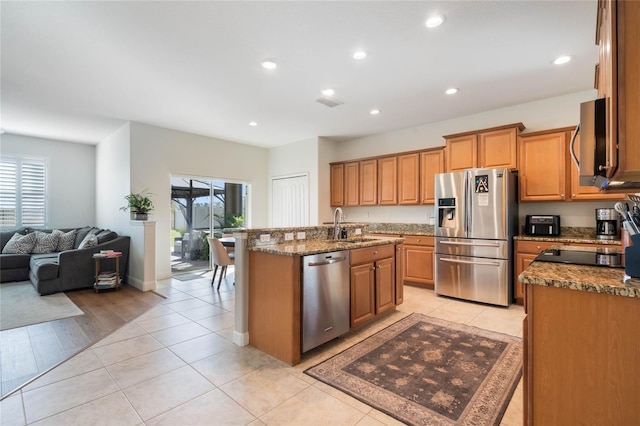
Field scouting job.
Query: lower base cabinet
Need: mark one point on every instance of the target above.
(372, 283)
(418, 260)
(581, 358)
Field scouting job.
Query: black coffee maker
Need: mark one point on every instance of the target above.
(607, 224)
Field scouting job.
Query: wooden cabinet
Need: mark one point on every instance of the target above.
(543, 159)
(399, 271)
(418, 257)
(431, 163)
(590, 193)
(618, 80)
(369, 183)
(461, 152)
(352, 183)
(388, 181)
(372, 282)
(581, 352)
(337, 184)
(409, 179)
(525, 253)
(489, 148)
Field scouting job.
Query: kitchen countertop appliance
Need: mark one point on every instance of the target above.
(325, 298)
(476, 217)
(542, 225)
(607, 224)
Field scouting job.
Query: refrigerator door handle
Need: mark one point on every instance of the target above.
(454, 243)
(469, 262)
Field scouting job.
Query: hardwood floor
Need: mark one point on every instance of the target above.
(27, 352)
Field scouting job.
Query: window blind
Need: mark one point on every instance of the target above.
(23, 194)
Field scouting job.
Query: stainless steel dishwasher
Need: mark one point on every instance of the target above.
(325, 297)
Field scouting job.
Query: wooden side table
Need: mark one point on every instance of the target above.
(108, 279)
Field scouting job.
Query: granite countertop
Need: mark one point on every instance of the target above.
(596, 279)
(304, 248)
(401, 229)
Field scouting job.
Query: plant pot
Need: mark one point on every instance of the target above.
(141, 216)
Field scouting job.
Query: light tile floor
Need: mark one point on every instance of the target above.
(176, 365)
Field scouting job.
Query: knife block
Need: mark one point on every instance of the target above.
(632, 257)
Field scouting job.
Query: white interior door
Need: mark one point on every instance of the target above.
(290, 201)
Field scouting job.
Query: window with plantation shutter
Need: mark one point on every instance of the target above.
(23, 192)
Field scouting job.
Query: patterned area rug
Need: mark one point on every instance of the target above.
(427, 371)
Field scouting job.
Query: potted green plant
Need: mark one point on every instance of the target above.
(140, 205)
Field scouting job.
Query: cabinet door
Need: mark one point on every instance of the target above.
(399, 280)
(385, 285)
(543, 174)
(461, 153)
(369, 183)
(337, 185)
(351, 183)
(388, 181)
(431, 163)
(409, 179)
(498, 149)
(362, 294)
(418, 265)
(523, 260)
(586, 192)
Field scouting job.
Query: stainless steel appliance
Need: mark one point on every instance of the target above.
(599, 163)
(477, 215)
(542, 225)
(607, 224)
(325, 297)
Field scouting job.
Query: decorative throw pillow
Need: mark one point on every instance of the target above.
(106, 235)
(89, 241)
(20, 244)
(45, 243)
(66, 240)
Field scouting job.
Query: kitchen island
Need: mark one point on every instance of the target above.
(581, 345)
(275, 293)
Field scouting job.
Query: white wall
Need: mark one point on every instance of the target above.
(113, 174)
(293, 159)
(157, 153)
(544, 114)
(71, 177)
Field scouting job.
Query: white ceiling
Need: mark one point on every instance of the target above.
(77, 71)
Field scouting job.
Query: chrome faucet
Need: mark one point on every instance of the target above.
(336, 222)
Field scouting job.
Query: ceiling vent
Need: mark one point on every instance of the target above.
(330, 102)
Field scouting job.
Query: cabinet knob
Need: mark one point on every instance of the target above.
(375, 252)
(418, 240)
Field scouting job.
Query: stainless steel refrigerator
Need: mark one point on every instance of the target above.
(476, 218)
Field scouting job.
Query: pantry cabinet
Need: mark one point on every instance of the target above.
(431, 163)
(489, 148)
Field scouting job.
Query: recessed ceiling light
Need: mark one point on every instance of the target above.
(451, 91)
(561, 60)
(253, 123)
(360, 54)
(434, 21)
(328, 92)
(374, 111)
(269, 64)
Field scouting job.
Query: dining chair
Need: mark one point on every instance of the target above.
(221, 258)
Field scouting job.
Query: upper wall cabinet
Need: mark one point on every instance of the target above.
(337, 185)
(543, 158)
(488, 148)
(345, 188)
(388, 181)
(369, 182)
(409, 179)
(431, 163)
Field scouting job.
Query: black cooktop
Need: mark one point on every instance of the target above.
(575, 257)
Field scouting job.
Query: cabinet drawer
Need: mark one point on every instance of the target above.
(371, 254)
(418, 240)
(534, 247)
